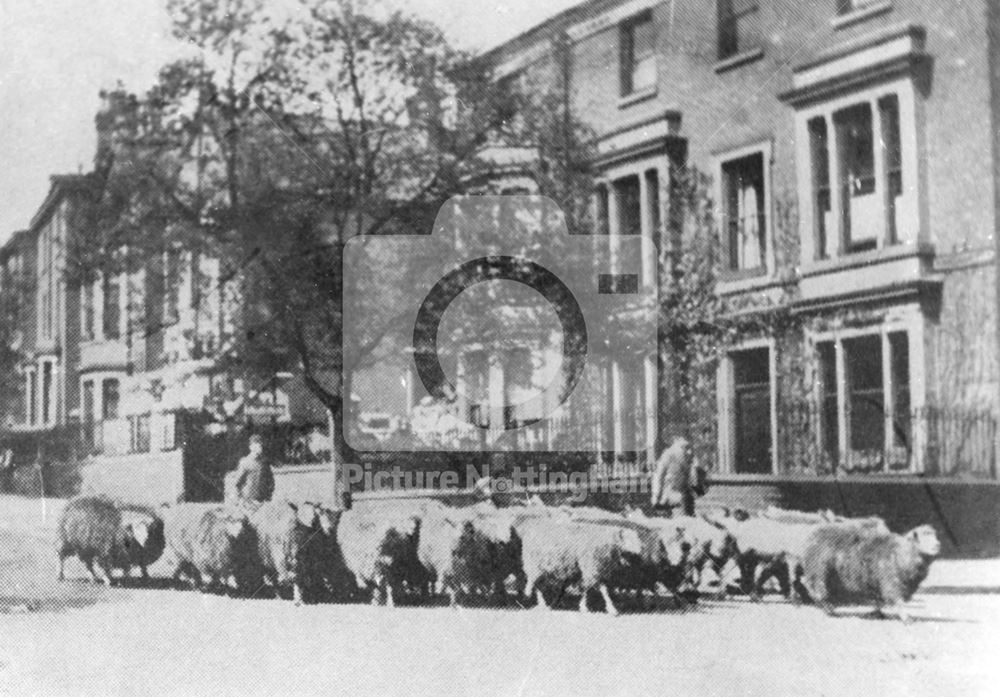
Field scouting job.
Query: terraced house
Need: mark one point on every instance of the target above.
(106, 361)
(852, 151)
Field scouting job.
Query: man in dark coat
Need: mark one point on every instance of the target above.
(254, 478)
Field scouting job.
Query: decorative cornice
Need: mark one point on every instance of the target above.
(634, 139)
(881, 55)
(609, 19)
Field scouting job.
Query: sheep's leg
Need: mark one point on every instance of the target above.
(583, 600)
(105, 573)
(144, 572)
(609, 607)
(540, 599)
(903, 614)
(62, 564)
(89, 563)
(791, 592)
(452, 596)
(297, 593)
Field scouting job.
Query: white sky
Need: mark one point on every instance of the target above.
(56, 55)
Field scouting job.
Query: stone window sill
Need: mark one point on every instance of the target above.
(739, 59)
(861, 14)
(636, 97)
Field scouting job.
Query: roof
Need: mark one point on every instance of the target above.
(546, 29)
(11, 246)
(61, 184)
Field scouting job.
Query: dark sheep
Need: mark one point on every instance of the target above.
(213, 544)
(93, 529)
(855, 564)
(282, 531)
(380, 549)
(323, 572)
(466, 550)
(147, 539)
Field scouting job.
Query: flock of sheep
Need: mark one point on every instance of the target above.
(481, 552)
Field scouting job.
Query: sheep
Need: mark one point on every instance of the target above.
(283, 530)
(784, 515)
(379, 548)
(659, 565)
(212, 542)
(558, 552)
(858, 564)
(93, 529)
(146, 543)
(763, 543)
(710, 544)
(322, 568)
(470, 549)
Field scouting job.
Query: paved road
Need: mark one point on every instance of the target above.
(139, 642)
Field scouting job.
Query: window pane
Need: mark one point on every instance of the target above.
(857, 154)
(821, 187)
(889, 112)
(629, 206)
(32, 398)
(637, 55)
(112, 310)
(47, 393)
(738, 27)
(644, 73)
(866, 401)
(752, 400)
(828, 375)
(900, 348)
(745, 217)
(109, 396)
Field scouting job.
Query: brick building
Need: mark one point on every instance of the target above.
(844, 194)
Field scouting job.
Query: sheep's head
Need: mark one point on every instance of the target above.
(234, 525)
(676, 546)
(324, 517)
(925, 540)
(722, 546)
(139, 531)
(498, 526)
(630, 542)
(305, 513)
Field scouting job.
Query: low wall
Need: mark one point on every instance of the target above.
(150, 478)
(305, 483)
(966, 514)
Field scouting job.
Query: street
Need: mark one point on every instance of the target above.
(73, 638)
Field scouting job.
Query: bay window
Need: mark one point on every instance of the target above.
(864, 401)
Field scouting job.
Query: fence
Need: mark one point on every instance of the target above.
(943, 441)
(140, 433)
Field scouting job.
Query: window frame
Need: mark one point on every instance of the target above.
(908, 321)
(726, 409)
(628, 60)
(719, 160)
(834, 245)
(727, 22)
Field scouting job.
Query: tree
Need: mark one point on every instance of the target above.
(284, 137)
